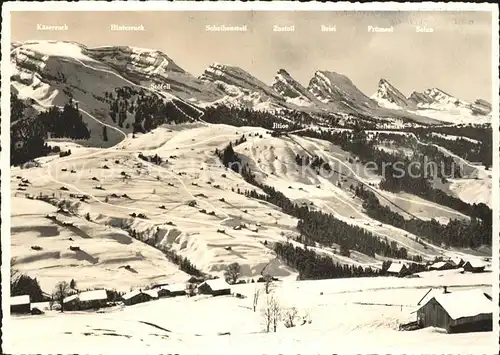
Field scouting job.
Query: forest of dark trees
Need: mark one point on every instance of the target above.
(477, 152)
(457, 233)
(244, 117)
(312, 266)
(149, 110)
(28, 134)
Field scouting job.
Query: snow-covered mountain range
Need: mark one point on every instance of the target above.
(51, 71)
(433, 103)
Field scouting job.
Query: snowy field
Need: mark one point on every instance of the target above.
(354, 315)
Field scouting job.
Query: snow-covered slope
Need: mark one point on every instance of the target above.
(433, 103)
(436, 98)
(339, 91)
(292, 90)
(442, 106)
(341, 315)
(241, 88)
(155, 67)
(388, 96)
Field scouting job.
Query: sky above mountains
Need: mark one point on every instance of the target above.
(455, 57)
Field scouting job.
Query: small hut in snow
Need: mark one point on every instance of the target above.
(215, 287)
(474, 266)
(71, 303)
(442, 265)
(458, 312)
(134, 297)
(93, 299)
(153, 293)
(172, 290)
(20, 304)
(397, 269)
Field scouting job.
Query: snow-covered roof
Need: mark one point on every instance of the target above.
(93, 295)
(475, 263)
(174, 287)
(131, 294)
(396, 267)
(217, 284)
(18, 300)
(468, 303)
(152, 293)
(456, 261)
(439, 264)
(430, 293)
(70, 298)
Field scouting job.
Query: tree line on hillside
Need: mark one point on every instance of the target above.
(312, 266)
(480, 152)
(456, 233)
(183, 262)
(28, 134)
(149, 110)
(400, 173)
(479, 133)
(238, 117)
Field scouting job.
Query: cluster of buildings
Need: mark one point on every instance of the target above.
(96, 299)
(474, 265)
(214, 287)
(86, 300)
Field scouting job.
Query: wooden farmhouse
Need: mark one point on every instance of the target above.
(458, 312)
(215, 287)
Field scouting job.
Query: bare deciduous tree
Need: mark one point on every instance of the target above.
(272, 313)
(232, 273)
(190, 289)
(268, 284)
(256, 295)
(60, 292)
(268, 318)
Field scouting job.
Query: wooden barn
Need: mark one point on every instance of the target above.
(458, 312)
(134, 297)
(458, 262)
(153, 293)
(20, 304)
(442, 265)
(71, 303)
(397, 269)
(474, 266)
(172, 290)
(93, 299)
(215, 287)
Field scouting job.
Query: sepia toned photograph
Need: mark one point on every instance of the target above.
(267, 180)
